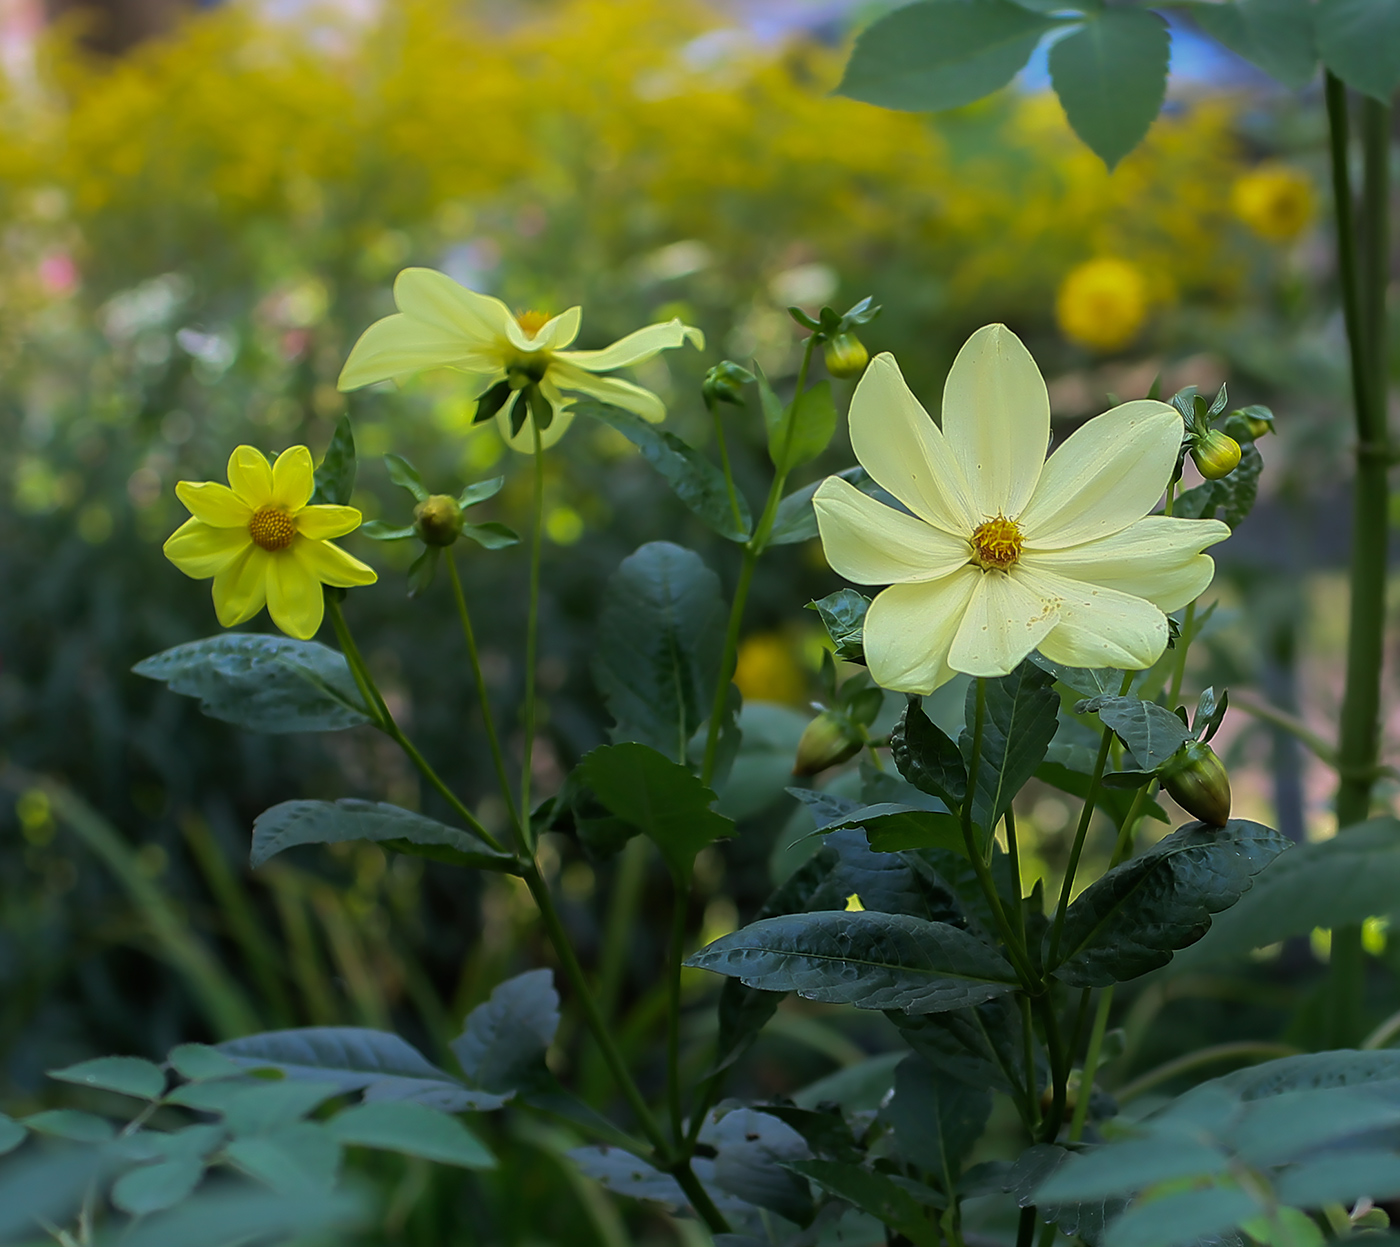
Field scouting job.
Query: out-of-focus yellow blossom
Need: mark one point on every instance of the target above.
(767, 670)
(1275, 200)
(441, 324)
(1102, 304)
(262, 542)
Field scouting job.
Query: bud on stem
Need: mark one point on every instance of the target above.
(1198, 782)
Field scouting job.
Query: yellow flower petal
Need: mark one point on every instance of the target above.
(996, 417)
(906, 453)
(1096, 626)
(250, 475)
(872, 544)
(400, 344)
(331, 565)
(240, 589)
(612, 390)
(637, 346)
(909, 629)
(200, 550)
(1109, 473)
(437, 301)
(1006, 619)
(325, 520)
(215, 504)
(553, 335)
(293, 478)
(294, 597)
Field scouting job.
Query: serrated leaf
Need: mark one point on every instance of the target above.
(72, 1124)
(1360, 42)
(411, 1130)
(255, 1106)
(843, 614)
(1275, 35)
(335, 478)
(797, 521)
(660, 636)
(199, 1062)
(1022, 715)
(1032, 1167)
(806, 429)
(927, 757)
(659, 797)
(261, 682)
(1182, 1217)
(334, 822)
(871, 960)
(942, 53)
(876, 1194)
(1086, 681)
(1111, 77)
(1132, 919)
(752, 1152)
(896, 830)
(406, 476)
(981, 1046)
(503, 1043)
(153, 1188)
(1278, 1129)
(491, 535)
(127, 1075)
(693, 478)
(936, 1119)
(1152, 732)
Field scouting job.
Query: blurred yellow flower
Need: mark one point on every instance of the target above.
(506, 356)
(1102, 304)
(1275, 200)
(766, 669)
(264, 544)
(1004, 551)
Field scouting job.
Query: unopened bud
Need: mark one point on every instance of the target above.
(438, 522)
(1198, 782)
(1072, 1085)
(845, 355)
(1257, 427)
(827, 742)
(725, 382)
(1216, 455)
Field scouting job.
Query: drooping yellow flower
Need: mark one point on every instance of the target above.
(1275, 200)
(1102, 304)
(441, 324)
(263, 544)
(1006, 551)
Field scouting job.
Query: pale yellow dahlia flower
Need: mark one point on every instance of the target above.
(1006, 551)
(441, 324)
(264, 544)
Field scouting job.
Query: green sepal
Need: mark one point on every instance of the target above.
(422, 570)
(335, 478)
(406, 476)
(480, 492)
(492, 401)
(379, 530)
(492, 534)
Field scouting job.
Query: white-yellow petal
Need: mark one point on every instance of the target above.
(1097, 626)
(909, 629)
(1108, 474)
(250, 476)
(553, 335)
(996, 417)
(637, 346)
(612, 390)
(872, 544)
(1158, 558)
(906, 453)
(436, 300)
(401, 344)
(1005, 619)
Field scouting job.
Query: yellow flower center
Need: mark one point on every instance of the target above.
(996, 544)
(532, 322)
(272, 528)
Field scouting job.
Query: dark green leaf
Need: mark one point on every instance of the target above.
(895, 829)
(805, 430)
(1340, 1179)
(1278, 1129)
(1069, 766)
(1152, 732)
(1125, 1167)
(71, 1124)
(1309, 1070)
(626, 1175)
(892, 883)
(492, 535)
(1182, 1217)
(256, 1106)
(263, 683)
(692, 477)
(334, 822)
(1086, 681)
(422, 570)
(503, 1044)
(936, 1119)
(153, 1188)
(12, 1134)
(942, 53)
(1132, 919)
(199, 1062)
(797, 521)
(927, 757)
(490, 403)
(1085, 1220)
(871, 960)
(1360, 42)
(127, 1075)
(825, 1130)
(1210, 712)
(661, 798)
(335, 478)
(1275, 35)
(843, 613)
(378, 530)
(302, 1157)
(411, 1130)
(1111, 77)
(752, 1152)
(243, 1214)
(874, 1193)
(1022, 714)
(480, 492)
(405, 475)
(660, 634)
(1231, 498)
(981, 1046)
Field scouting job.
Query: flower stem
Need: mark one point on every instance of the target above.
(673, 1011)
(532, 631)
(497, 759)
(1013, 868)
(1183, 643)
(1091, 1065)
(724, 463)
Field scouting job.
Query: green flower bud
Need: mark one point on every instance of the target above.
(1198, 782)
(725, 382)
(827, 742)
(1216, 455)
(438, 522)
(845, 355)
(1257, 427)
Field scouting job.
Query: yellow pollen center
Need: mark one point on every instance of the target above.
(272, 528)
(532, 322)
(997, 543)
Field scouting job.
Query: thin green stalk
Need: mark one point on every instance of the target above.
(532, 629)
(1183, 643)
(724, 463)
(1059, 1068)
(1032, 1115)
(1091, 1065)
(1013, 868)
(618, 935)
(1048, 1233)
(1025, 1230)
(673, 1012)
(488, 719)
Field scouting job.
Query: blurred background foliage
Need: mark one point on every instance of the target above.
(191, 238)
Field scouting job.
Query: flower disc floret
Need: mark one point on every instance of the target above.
(272, 528)
(1001, 551)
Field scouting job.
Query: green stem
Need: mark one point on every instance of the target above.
(1091, 1065)
(1032, 1113)
(673, 1013)
(1013, 868)
(1059, 1068)
(1183, 643)
(724, 464)
(386, 724)
(532, 630)
(488, 719)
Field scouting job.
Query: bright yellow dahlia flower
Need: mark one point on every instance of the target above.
(1006, 551)
(1275, 200)
(441, 324)
(262, 543)
(1102, 304)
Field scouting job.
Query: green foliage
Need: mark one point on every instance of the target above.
(875, 1193)
(800, 430)
(1151, 732)
(411, 1130)
(335, 477)
(1360, 42)
(1020, 721)
(937, 1119)
(843, 614)
(1275, 35)
(503, 1044)
(127, 1075)
(1231, 498)
(927, 757)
